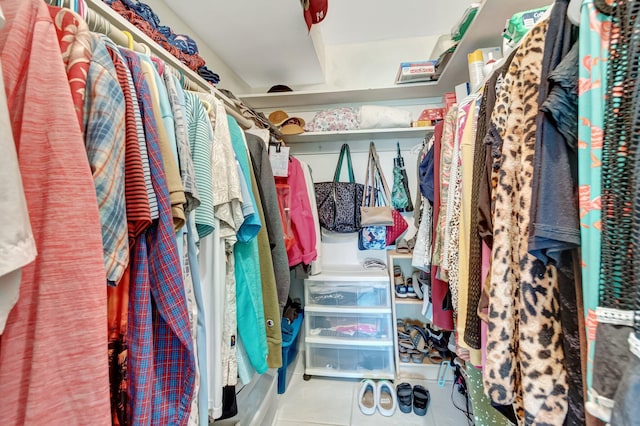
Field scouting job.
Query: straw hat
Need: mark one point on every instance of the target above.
(292, 126)
(288, 125)
(278, 117)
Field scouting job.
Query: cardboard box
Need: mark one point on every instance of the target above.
(411, 72)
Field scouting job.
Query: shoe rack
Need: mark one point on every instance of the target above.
(409, 309)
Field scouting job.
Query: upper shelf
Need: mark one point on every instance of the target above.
(352, 135)
(484, 31)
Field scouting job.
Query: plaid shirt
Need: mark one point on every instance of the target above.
(104, 124)
(161, 356)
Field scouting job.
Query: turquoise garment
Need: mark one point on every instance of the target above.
(245, 369)
(250, 310)
(200, 137)
(594, 36)
(251, 225)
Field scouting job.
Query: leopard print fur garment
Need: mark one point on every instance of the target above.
(525, 358)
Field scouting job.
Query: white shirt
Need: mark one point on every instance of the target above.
(17, 246)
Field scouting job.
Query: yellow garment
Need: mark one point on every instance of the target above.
(466, 148)
(174, 182)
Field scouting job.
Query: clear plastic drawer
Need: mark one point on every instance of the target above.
(345, 327)
(349, 361)
(373, 294)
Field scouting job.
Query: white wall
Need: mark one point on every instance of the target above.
(228, 78)
(366, 65)
(322, 157)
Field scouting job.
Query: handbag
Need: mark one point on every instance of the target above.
(339, 202)
(370, 213)
(375, 215)
(399, 226)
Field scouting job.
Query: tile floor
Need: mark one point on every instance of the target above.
(330, 401)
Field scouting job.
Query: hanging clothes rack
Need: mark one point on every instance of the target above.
(102, 19)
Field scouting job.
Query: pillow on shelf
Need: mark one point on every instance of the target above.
(334, 119)
(383, 117)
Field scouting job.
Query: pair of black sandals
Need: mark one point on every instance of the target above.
(414, 398)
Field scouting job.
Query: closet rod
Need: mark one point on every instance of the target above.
(102, 19)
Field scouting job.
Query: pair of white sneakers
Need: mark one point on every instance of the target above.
(380, 396)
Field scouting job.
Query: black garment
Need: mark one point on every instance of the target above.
(267, 190)
(571, 337)
(229, 403)
(562, 104)
(555, 223)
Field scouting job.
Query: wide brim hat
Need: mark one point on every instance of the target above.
(278, 117)
(292, 126)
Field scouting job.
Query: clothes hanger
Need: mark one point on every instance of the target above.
(129, 38)
(207, 105)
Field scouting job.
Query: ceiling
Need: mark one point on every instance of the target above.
(267, 42)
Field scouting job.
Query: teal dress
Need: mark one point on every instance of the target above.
(595, 29)
(250, 310)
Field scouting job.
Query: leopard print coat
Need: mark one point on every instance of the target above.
(525, 358)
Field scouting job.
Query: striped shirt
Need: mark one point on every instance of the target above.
(151, 195)
(138, 210)
(104, 120)
(185, 163)
(201, 143)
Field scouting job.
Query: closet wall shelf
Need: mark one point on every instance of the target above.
(484, 31)
(408, 301)
(360, 134)
(340, 96)
(424, 371)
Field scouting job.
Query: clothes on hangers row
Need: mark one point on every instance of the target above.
(499, 224)
(144, 197)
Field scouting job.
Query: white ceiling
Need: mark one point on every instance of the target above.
(266, 42)
(361, 21)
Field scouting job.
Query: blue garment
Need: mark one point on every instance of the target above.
(208, 75)
(426, 176)
(161, 364)
(251, 219)
(251, 225)
(250, 311)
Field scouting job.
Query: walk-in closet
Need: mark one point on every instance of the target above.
(319, 212)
